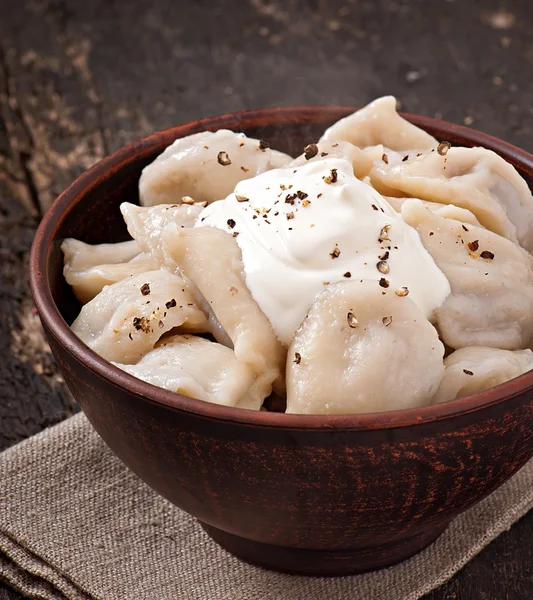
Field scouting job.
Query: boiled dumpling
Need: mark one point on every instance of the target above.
(491, 279)
(362, 159)
(379, 123)
(205, 166)
(448, 211)
(88, 268)
(146, 224)
(125, 320)
(360, 349)
(198, 368)
(477, 368)
(473, 178)
(212, 260)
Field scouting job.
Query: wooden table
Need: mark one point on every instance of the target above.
(80, 79)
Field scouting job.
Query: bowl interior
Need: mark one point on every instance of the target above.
(89, 209)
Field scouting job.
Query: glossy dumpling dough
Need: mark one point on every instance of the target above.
(362, 349)
(197, 368)
(491, 303)
(380, 123)
(205, 166)
(212, 260)
(362, 159)
(146, 224)
(478, 368)
(88, 268)
(473, 178)
(448, 211)
(127, 318)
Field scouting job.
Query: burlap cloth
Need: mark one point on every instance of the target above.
(76, 524)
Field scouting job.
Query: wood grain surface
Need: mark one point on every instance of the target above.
(79, 79)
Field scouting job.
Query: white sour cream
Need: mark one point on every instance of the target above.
(301, 229)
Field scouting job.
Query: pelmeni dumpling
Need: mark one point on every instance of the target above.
(491, 279)
(205, 166)
(473, 178)
(379, 123)
(362, 159)
(125, 320)
(197, 368)
(212, 260)
(88, 268)
(146, 224)
(477, 368)
(448, 211)
(363, 348)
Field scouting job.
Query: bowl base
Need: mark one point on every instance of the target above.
(323, 563)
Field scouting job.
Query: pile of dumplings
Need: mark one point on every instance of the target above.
(172, 306)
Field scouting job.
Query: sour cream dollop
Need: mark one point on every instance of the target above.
(300, 229)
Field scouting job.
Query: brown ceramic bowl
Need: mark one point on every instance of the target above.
(320, 495)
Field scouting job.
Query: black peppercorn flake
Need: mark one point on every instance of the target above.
(386, 321)
(352, 320)
(467, 372)
(384, 283)
(443, 148)
(223, 159)
(241, 198)
(310, 151)
(332, 177)
(263, 145)
(289, 198)
(383, 267)
(473, 246)
(385, 159)
(347, 275)
(402, 292)
(335, 253)
(231, 223)
(145, 289)
(297, 358)
(464, 227)
(142, 324)
(487, 254)
(301, 195)
(171, 303)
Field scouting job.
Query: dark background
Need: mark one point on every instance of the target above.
(79, 79)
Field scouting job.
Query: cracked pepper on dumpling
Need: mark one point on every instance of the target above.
(88, 268)
(197, 368)
(491, 278)
(212, 260)
(379, 123)
(362, 160)
(363, 348)
(205, 166)
(478, 368)
(473, 178)
(125, 320)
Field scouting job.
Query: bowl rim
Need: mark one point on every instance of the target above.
(57, 327)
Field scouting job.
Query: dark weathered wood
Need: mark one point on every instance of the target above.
(78, 79)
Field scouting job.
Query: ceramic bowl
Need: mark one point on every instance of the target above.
(319, 495)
